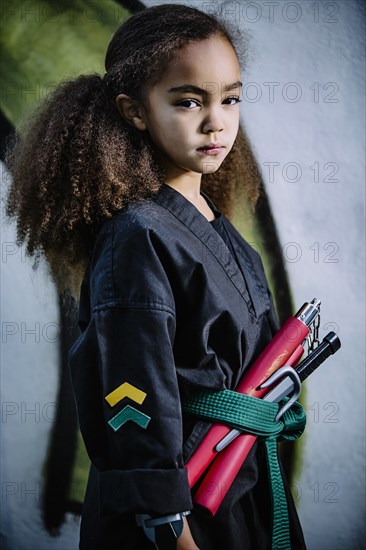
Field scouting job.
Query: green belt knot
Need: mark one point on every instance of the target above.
(257, 417)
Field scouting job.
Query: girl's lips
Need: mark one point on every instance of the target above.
(211, 150)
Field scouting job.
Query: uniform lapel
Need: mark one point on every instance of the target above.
(255, 286)
(188, 214)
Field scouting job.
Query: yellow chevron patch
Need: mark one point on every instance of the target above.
(125, 390)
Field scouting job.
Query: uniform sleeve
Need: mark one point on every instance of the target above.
(126, 387)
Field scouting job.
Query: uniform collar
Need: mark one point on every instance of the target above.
(191, 217)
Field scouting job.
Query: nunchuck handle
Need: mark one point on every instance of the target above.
(223, 471)
(276, 354)
(330, 344)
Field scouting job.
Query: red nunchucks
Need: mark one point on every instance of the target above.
(284, 349)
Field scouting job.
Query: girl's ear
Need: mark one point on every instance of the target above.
(131, 111)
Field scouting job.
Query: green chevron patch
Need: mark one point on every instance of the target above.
(129, 413)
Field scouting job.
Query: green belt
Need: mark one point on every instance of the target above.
(256, 416)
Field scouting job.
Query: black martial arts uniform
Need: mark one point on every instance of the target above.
(171, 304)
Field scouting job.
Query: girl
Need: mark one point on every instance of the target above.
(107, 185)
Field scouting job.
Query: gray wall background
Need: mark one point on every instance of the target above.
(303, 107)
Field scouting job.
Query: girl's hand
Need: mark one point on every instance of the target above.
(185, 540)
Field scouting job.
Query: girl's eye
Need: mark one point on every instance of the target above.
(232, 100)
(189, 103)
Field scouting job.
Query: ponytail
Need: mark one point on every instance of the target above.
(74, 163)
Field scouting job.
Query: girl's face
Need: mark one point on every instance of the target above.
(195, 106)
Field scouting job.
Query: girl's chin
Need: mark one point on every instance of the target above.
(210, 166)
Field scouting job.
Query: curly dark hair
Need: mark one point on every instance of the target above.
(75, 162)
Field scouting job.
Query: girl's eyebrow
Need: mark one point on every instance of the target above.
(200, 91)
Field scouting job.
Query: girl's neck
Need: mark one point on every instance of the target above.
(191, 190)
(185, 182)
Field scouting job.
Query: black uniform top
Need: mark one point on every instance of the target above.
(165, 308)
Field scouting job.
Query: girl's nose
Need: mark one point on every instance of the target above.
(212, 123)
